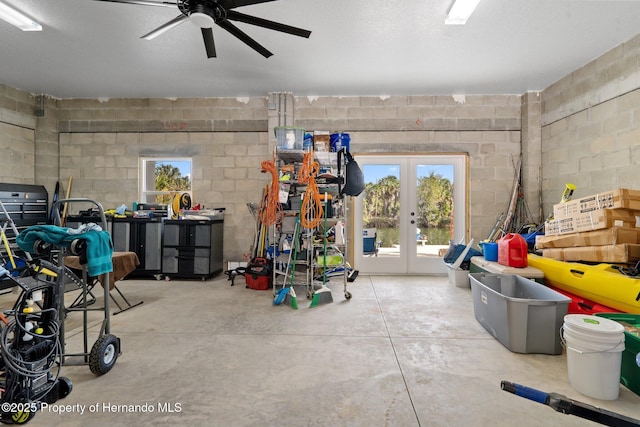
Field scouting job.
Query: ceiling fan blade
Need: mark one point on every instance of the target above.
(231, 4)
(244, 38)
(271, 25)
(165, 27)
(144, 3)
(209, 45)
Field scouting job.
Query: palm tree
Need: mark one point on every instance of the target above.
(381, 202)
(435, 205)
(170, 179)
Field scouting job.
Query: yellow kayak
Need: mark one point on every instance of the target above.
(599, 283)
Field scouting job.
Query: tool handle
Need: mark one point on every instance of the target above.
(523, 391)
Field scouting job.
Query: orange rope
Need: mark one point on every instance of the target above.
(271, 209)
(312, 211)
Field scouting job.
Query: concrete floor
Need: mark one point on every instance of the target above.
(404, 351)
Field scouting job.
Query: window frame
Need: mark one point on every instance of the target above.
(147, 165)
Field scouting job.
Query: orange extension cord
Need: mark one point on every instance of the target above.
(312, 211)
(271, 210)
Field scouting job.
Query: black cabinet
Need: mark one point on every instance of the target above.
(142, 236)
(25, 205)
(192, 248)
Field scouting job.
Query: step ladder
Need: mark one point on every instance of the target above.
(7, 222)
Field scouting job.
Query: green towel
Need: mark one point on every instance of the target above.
(99, 245)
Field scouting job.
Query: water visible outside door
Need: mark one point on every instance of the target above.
(411, 208)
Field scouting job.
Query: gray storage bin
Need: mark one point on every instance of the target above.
(525, 316)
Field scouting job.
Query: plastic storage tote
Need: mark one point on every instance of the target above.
(523, 315)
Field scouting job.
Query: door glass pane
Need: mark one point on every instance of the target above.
(434, 223)
(381, 210)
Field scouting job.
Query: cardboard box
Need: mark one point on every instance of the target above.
(322, 141)
(607, 236)
(593, 220)
(620, 198)
(623, 253)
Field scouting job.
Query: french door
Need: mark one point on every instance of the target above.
(411, 208)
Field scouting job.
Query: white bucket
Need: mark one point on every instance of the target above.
(594, 355)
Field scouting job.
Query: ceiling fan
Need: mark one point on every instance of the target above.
(206, 13)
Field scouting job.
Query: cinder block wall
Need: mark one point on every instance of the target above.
(485, 127)
(101, 142)
(17, 136)
(591, 126)
(98, 143)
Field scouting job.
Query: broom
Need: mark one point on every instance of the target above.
(290, 297)
(323, 295)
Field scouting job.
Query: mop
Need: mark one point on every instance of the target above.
(323, 295)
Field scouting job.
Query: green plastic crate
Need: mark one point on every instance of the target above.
(630, 371)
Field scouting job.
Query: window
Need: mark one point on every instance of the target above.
(162, 178)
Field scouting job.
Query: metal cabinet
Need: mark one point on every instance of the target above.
(142, 236)
(25, 204)
(192, 248)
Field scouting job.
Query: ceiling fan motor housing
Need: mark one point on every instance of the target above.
(202, 14)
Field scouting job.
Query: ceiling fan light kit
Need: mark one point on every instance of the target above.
(18, 19)
(202, 20)
(208, 13)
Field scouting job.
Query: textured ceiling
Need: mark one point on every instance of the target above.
(92, 49)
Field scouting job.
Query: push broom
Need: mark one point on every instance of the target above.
(323, 295)
(286, 294)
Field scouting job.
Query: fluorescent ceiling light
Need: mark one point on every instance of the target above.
(16, 18)
(461, 11)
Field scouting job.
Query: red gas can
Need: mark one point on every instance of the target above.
(512, 251)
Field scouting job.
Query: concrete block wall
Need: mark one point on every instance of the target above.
(17, 136)
(591, 126)
(47, 159)
(228, 139)
(484, 127)
(101, 142)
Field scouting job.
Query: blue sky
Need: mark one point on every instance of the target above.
(184, 166)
